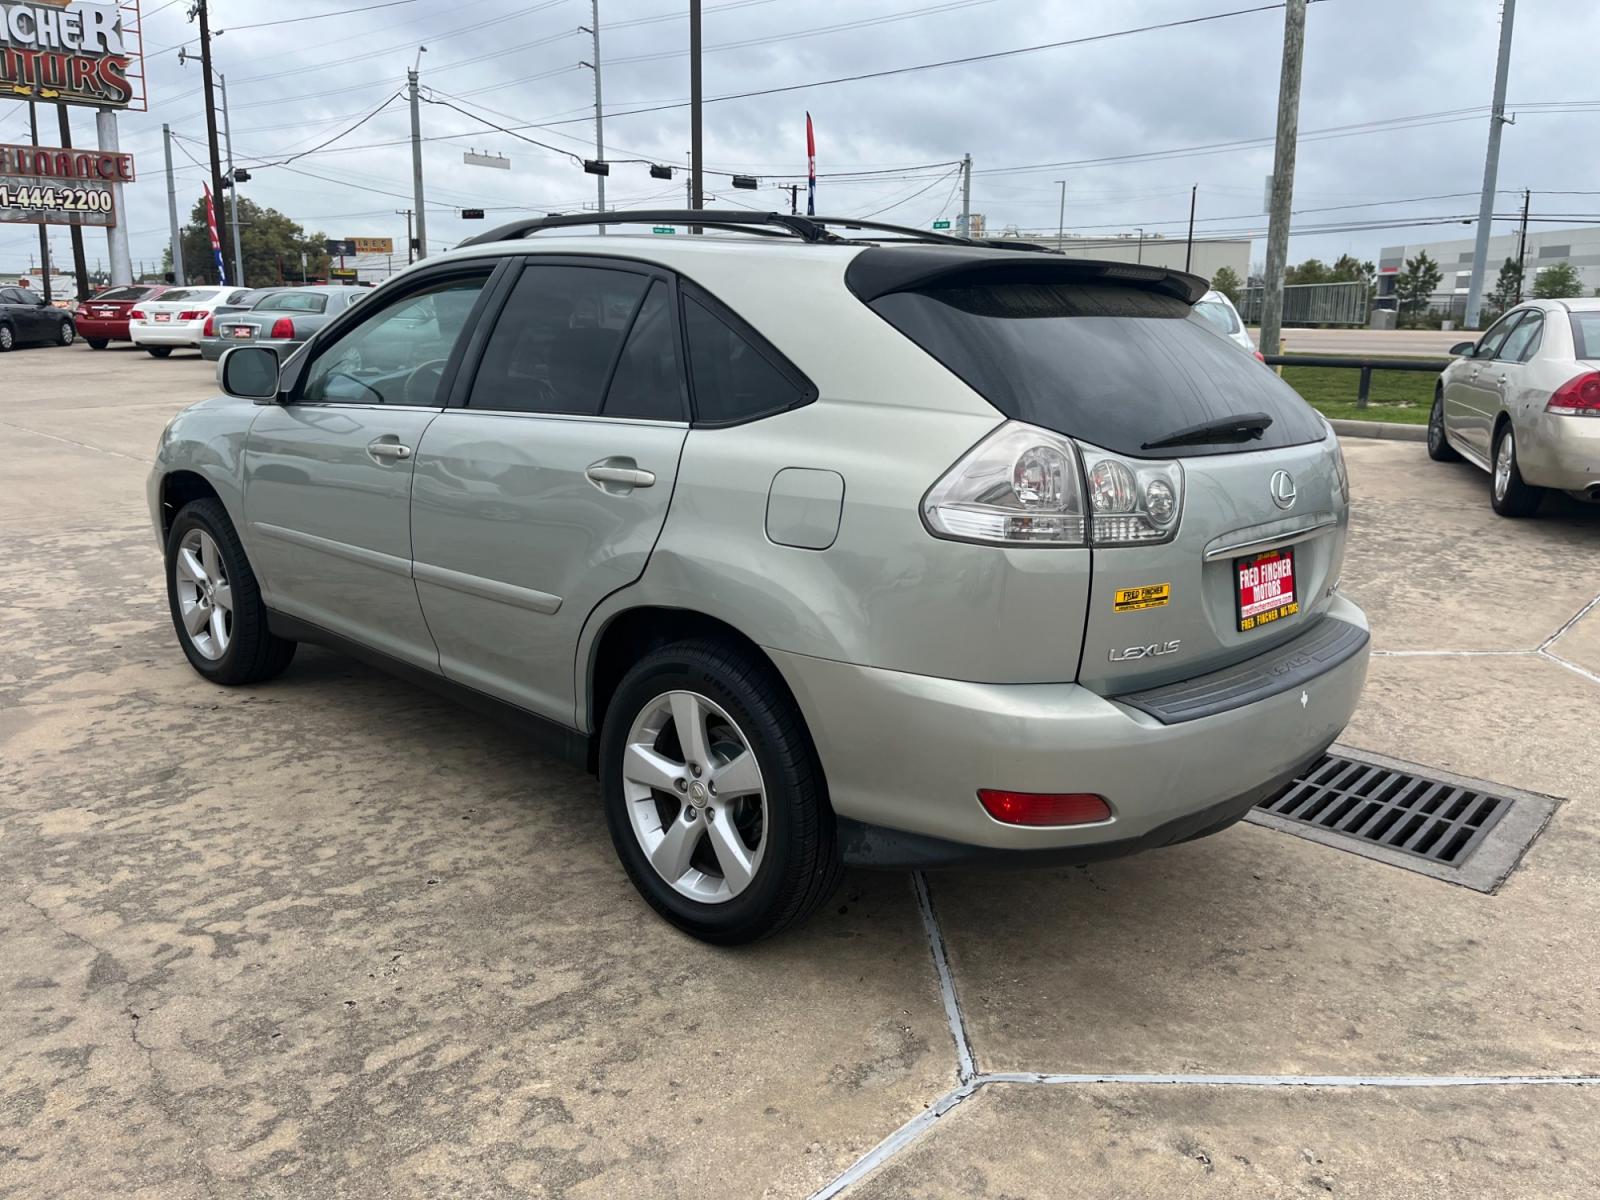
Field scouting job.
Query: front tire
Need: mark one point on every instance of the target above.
(1439, 447)
(215, 600)
(1510, 496)
(158, 351)
(714, 796)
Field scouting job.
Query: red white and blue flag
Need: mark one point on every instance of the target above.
(216, 239)
(811, 169)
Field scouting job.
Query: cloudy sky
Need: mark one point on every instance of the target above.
(1393, 112)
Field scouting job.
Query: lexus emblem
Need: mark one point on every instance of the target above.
(1282, 489)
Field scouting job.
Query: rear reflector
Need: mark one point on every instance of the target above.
(1044, 808)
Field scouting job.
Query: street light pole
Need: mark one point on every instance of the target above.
(696, 179)
(416, 160)
(1491, 169)
(233, 185)
(1294, 43)
(599, 122)
(172, 210)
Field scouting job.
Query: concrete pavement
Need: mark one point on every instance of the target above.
(333, 937)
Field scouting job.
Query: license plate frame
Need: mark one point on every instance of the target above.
(241, 332)
(163, 318)
(1263, 591)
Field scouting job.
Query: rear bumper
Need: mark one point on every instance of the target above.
(906, 754)
(93, 327)
(213, 348)
(1560, 452)
(179, 333)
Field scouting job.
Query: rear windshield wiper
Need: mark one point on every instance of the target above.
(1246, 427)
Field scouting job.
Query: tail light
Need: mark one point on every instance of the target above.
(1044, 808)
(136, 314)
(282, 329)
(1578, 397)
(1027, 486)
(191, 314)
(210, 327)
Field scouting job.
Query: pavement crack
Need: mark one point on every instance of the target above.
(966, 1068)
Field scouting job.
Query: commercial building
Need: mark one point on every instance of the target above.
(1210, 255)
(1578, 245)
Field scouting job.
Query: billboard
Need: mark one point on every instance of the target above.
(87, 52)
(56, 186)
(374, 245)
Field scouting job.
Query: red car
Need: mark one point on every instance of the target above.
(103, 319)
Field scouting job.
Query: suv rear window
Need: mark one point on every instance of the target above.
(1116, 366)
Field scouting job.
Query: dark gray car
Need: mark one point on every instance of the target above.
(280, 319)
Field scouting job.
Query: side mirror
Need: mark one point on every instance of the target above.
(249, 373)
(1463, 349)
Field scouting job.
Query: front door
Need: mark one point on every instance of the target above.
(546, 489)
(1472, 398)
(328, 474)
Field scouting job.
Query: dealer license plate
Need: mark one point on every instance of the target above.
(242, 331)
(1265, 587)
(163, 317)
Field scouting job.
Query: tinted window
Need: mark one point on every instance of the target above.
(647, 382)
(553, 345)
(24, 296)
(1585, 334)
(399, 353)
(1489, 345)
(733, 380)
(310, 302)
(10, 296)
(1524, 340)
(1116, 366)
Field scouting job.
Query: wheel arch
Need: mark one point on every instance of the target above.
(180, 487)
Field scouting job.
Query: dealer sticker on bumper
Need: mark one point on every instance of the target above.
(1134, 599)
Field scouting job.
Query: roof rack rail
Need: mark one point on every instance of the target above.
(768, 224)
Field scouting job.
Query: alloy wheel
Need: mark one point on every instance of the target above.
(695, 797)
(1504, 458)
(1436, 425)
(205, 597)
(68, 333)
(7, 338)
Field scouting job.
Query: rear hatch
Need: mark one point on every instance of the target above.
(1105, 355)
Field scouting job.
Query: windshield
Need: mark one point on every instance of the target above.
(1217, 315)
(1116, 366)
(1586, 335)
(307, 302)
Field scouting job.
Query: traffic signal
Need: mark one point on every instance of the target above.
(596, 167)
(747, 182)
(660, 172)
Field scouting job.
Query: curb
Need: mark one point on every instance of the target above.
(1384, 430)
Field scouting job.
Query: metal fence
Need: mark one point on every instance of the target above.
(1312, 304)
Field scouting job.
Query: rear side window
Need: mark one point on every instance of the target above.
(556, 339)
(1115, 366)
(647, 382)
(1586, 334)
(735, 374)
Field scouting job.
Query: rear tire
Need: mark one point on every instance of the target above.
(68, 334)
(773, 796)
(1439, 447)
(8, 338)
(158, 351)
(1510, 496)
(98, 343)
(215, 600)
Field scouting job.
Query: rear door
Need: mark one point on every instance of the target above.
(545, 485)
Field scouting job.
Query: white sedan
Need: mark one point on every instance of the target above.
(177, 318)
(1523, 403)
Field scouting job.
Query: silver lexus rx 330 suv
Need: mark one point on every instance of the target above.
(849, 545)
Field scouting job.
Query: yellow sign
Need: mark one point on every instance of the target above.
(1152, 595)
(374, 245)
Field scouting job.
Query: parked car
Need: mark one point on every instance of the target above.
(280, 319)
(26, 317)
(1523, 403)
(1216, 311)
(177, 317)
(818, 550)
(103, 318)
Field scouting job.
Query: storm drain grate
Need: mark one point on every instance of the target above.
(1442, 825)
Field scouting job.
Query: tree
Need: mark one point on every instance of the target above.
(1508, 287)
(1313, 270)
(1226, 281)
(272, 245)
(1349, 269)
(1416, 284)
(1557, 282)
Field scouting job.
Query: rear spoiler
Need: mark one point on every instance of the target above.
(883, 270)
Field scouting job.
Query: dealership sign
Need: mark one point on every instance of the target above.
(72, 52)
(57, 186)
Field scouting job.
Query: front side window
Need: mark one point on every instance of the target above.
(556, 339)
(1524, 340)
(10, 296)
(733, 379)
(399, 353)
(24, 296)
(1489, 345)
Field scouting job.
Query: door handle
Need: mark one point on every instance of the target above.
(392, 451)
(621, 473)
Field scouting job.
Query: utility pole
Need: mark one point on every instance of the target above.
(80, 268)
(416, 161)
(44, 236)
(599, 123)
(1491, 168)
(406, 212)
(211, 102)
(696, 180)
(1061, 217)
(233, 185)
(1188, 251)
(1294, 45)
(105, 128)
(1140, 256)
(1522, 245)
(172, 209)
(966, 195)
